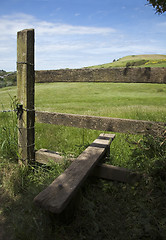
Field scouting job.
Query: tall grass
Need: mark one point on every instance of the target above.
(8, 132)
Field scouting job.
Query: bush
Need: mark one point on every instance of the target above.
(149, 155)
(136, 63)
(9, 79)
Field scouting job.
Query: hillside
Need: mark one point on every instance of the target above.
(147, 60)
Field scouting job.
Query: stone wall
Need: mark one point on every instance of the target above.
(119, 75)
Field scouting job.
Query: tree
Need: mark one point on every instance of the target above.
(159, 5)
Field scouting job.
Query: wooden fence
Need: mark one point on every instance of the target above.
(57, 196)
(26, 120)
(107, 124)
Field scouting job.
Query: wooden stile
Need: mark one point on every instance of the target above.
(59, 193)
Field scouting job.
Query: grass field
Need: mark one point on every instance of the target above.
(107, 210)
(131, 101)
(134, 101)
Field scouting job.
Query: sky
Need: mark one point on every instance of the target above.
(80, 33)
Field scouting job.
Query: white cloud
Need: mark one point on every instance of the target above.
(64, 29)
(9, 25)
(51, 38)
(60, 45)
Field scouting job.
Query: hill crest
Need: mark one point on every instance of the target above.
(144, 60)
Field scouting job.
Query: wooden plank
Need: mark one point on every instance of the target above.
(98, 123)
(44, 156)
(114, 173)
(59, 193)
(25, 95)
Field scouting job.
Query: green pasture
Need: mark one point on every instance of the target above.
(119, 100)
(122, 100)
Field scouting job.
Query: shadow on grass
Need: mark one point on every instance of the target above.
(106, 211)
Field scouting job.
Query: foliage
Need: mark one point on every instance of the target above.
(2, 72)
(159, 5)
(150, 154)
(11, 79)
(136, 63)
(7, 79)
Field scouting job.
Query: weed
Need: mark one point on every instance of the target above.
(149, 155)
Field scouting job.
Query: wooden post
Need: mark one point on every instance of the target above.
(25, 94)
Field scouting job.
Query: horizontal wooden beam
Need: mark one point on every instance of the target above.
(44, 156)
(59, 193)
(114, 173)
(98, 123)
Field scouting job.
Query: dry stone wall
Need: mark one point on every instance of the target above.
(117, 75)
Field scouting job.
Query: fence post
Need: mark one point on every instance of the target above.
(25, 94)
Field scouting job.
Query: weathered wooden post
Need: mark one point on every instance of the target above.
(25, 94)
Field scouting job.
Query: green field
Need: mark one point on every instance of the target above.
(134, 101)
(107, 210)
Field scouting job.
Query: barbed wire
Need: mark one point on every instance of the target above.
(28, 63)
(7, 111)
(17, 110)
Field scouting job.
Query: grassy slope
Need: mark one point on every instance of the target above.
(153, 60)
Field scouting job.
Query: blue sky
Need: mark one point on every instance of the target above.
(79, 33)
